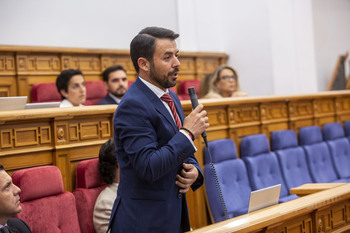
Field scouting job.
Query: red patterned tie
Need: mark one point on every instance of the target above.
(167, 98)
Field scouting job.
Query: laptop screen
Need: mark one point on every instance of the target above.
(265, 197)
(13, 103)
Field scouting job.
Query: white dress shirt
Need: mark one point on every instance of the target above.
(65, 104)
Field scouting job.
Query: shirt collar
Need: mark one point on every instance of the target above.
(66, 103)
(156, 90)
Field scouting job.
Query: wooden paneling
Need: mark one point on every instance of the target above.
(61, 137)
(206, 65)
(89, 64)
(27, 65)
(33, 64)
(8, 86)
(7, 64)
(8, 80)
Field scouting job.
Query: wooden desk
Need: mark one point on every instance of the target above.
(325, 211)
(55, 136)
(311, 188)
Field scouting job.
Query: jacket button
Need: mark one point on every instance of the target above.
(179, 195)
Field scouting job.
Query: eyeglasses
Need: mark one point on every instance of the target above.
(229, 77)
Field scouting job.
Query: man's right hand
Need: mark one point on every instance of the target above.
(197, 121)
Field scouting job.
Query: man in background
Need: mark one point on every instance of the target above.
(10, 205)
(116, 84)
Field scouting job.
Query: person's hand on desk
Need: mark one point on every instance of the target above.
(197, 121)
(188, 176)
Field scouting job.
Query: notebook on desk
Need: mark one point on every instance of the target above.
(263, 198)
(13, 103)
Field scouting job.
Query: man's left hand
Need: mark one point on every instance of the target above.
(188, 176)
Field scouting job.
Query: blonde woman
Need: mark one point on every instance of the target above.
(222, 83)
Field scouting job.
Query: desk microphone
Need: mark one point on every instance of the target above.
(194, 101)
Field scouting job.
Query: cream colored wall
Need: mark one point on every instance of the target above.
(277, 46)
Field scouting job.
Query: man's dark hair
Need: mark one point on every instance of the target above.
(63, 79)
(1, 167)
(111, 69)
(107, 161)
(143, 44)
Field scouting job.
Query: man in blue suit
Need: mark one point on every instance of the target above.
(157, 165)
(116, 83)
(10, 205)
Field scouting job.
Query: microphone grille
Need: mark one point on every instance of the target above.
(191, 91)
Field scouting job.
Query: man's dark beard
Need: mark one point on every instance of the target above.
(118, 95)
(163, 81)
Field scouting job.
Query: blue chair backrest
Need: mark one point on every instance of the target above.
(291, 158)
(339, 147)
(317, 155)
(232, 176)
(262, 165)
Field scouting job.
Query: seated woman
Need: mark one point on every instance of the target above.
(222, 83)
(108, 167)
(71, 85)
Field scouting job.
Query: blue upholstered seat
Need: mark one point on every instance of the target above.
(233, 179)
(339, 147)
(318, 156)
(262, 165)
(291, 158)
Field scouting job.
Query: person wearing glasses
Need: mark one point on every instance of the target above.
(222, 83)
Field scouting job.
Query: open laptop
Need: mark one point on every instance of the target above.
(13, 103)
(43, 105)
(265, 197)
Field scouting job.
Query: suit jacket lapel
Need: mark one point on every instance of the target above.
(111, 100)
(157, 103)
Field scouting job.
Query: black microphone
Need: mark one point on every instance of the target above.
(194, 101)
